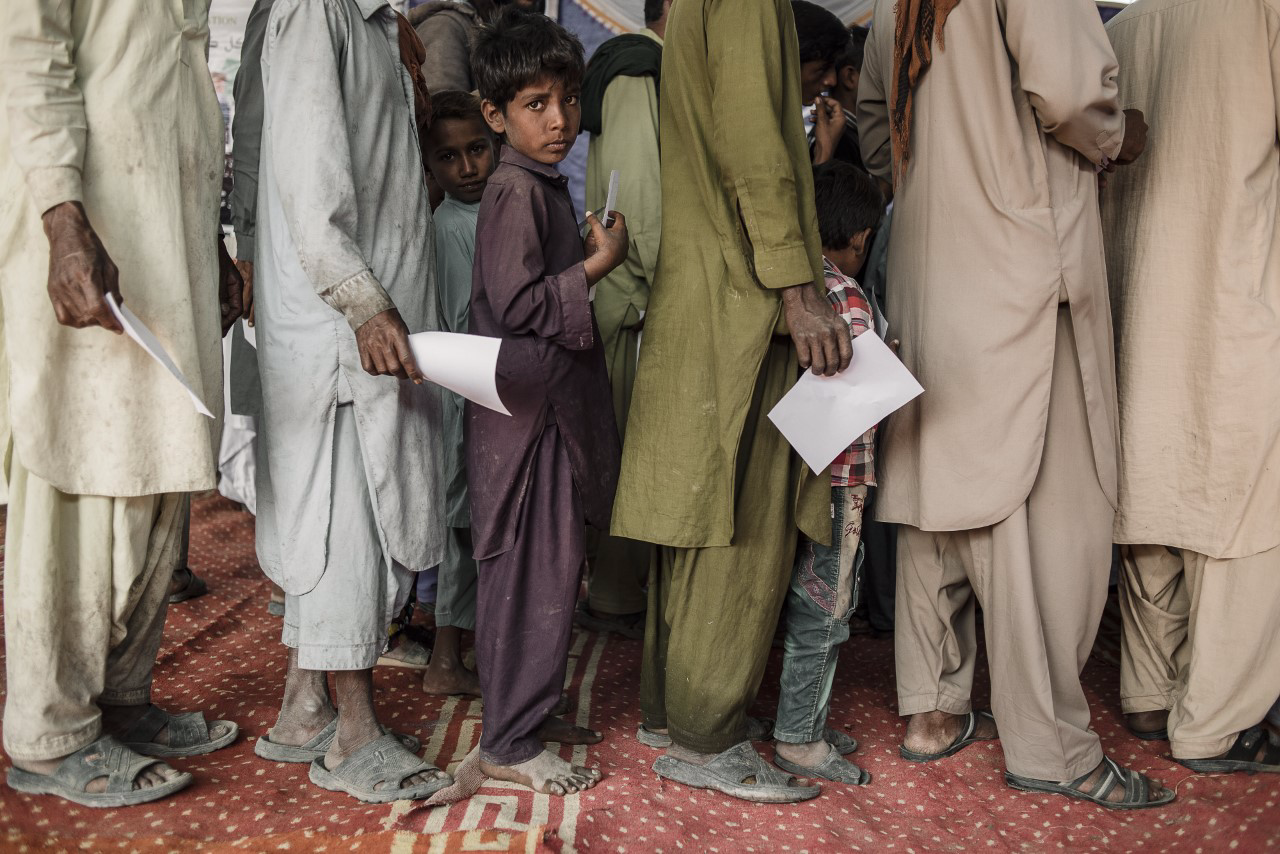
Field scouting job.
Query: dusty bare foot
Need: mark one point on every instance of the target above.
(563, 732)
(1153, 721)
(806, 755)
(306, 709)
(118, 720)
(446, 674)
(934, 732)
(545, 773)
(563, 706)
(684, 754)
(155, 775)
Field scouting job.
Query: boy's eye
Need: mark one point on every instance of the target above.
(535, 104)
(571, 100)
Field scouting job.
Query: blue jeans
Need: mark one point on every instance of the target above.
(822, 596)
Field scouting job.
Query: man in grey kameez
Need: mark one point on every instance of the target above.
(349, 499)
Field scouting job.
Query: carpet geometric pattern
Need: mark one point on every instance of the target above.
(222, 655)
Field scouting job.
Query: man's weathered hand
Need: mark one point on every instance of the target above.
(384, 347)
(81, 273)
(821, 337)
(230, 289)
(1135, 138)
(246, 299)
(828, 126)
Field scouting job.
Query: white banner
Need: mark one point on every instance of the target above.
(625, 15)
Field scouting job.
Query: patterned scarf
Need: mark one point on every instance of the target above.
(917, 21)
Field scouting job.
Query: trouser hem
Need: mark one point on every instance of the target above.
(521, 753)
(56, 746)
(446, 619)
(617, 607)
(1058, 773)
(1201, 748)
(919, 704)
(799, 738)
(329, 658)
(704, 744)
(1146, 703)
(129, 697)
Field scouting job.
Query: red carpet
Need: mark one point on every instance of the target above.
(222, 655)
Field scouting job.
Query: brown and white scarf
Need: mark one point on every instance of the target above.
(917, 21)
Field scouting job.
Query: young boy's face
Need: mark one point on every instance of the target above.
(461, 157)
(816, 76)
(541, 121)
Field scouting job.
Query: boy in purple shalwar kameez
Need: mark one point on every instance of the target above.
(539, 474)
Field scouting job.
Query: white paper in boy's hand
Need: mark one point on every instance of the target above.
(250, 334)
(464, 364)
(821, 416)
(138, 331)
(611, 199)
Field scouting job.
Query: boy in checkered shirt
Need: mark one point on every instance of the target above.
(824, 582)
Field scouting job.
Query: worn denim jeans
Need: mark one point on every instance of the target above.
(822, 596)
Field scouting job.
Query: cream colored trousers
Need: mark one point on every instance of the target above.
(1202, 641)
(1041, 578)
(86, 580)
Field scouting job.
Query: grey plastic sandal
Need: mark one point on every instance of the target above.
(835, 768)
(318, 746)
(841, 741)
(188, 735)
(739, 772)
(1138, 788)
(108, 758)
(382, 761)
(758, 729)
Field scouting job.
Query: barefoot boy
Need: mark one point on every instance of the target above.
(537, 475)
(824, 588)
(461, 154)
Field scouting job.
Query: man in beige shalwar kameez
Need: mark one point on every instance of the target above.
(1003, 473)
(1193, 249)
(111, 142)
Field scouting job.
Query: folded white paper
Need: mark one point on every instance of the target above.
(821, 416)
(611, 198)
(250, 334)
(464, 364)
(138, 331)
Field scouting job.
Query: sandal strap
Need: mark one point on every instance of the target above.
(383, 760)
(105, 757)
(147, 727)
(741, 761)
(1245, 748)
(188, 730)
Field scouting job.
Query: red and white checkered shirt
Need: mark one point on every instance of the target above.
(856, 464)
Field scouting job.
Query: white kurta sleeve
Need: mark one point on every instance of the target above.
(45, 107)
(311, 155)
(1068, 70)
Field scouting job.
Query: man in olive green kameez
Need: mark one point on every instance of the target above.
(733, 313)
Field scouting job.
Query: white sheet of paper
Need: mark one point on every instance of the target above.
(611, 198)
(250, 334)
(465, 364)
(821, 416)
(138, 331)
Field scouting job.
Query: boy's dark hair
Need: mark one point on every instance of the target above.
(518, 48)
(848, 201)
(852, 54)
(455, 104)
(653, 10)
(821, 34)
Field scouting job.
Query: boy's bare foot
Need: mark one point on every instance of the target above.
(808, 755)
(933, 732)
(1117, 793)
(545, 773)
(446, 674)
(563, 732)
(118, 720)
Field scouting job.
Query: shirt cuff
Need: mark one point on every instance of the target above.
(1109, 144)
(244, 247)
(359, 298)
(784, 267)
(575, 308)
(52, 185)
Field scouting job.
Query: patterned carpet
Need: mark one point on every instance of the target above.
(222, 655)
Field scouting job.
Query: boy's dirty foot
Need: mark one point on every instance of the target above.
(155, 775)
(1147, 722)
(934, 732)
(545, 773)
(808, 755)
(563, 732)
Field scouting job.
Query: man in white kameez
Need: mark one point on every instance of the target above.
(111, 139)
(1193, 251)
(349, 496)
